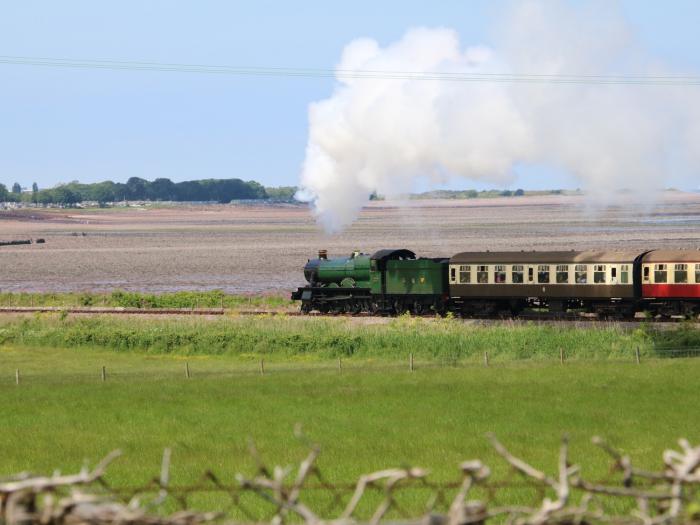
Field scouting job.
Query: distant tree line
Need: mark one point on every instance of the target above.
(487, 194)
(137, 189)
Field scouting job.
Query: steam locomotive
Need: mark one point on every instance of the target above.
(607, 284)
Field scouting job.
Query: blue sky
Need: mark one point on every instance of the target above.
(58, 125)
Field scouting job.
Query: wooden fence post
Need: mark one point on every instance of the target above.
(187, 370)
(410, 362)
(636, 353)
(340, 365)
(561, 356)
(17, 376)
(262, 367)
(486, 358)
(104, 374)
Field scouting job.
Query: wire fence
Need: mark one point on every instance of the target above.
(302, 494)
(262, 367)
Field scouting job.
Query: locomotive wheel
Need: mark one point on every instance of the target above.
(399, 307)
(354, 308)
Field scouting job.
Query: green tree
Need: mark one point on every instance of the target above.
(285, 193)
(102, 192)
(519, 192)
(35, 192)
(16, 188)
(136, 188)
(4, 194)
(161, 190)
(63, 195)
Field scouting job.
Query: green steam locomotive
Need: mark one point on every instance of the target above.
(386, 282)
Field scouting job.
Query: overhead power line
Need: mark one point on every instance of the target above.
(119, 65)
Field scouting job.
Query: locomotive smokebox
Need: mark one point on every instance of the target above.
(323, 254)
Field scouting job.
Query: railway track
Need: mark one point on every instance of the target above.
(530, 316)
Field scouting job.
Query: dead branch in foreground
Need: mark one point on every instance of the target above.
(669, 496)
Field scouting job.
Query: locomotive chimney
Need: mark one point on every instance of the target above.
(323, 254)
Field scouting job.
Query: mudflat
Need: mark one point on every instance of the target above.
(262, 248)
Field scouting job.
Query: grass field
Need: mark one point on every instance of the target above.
(372, 414)
(365, 418)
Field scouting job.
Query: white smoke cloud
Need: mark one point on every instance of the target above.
(382, 135)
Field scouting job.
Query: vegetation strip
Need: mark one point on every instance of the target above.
(285, 337)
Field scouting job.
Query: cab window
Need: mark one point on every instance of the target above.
(562, 274)
(697, 273)
(465, 274)
(517, 274)
(499, 274)
(543, 273)
(581, 274)
(660, 273)
(680, 274)
(599, 274)
(482, 274)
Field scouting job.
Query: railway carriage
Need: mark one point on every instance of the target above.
(491, 282)
(670, 282)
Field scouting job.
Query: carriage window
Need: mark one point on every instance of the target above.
(660, 273)
(599, 274)
(697, 273)
(562, 274)
(465, 274)
(517, 275)
(680, 274)
(453, 274)
(500, 274)
(482, 274)
(543, 273)
(625, 274)
(581, 274)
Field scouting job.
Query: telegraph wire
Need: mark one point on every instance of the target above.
(120, 65)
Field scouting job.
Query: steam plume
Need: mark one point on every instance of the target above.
(382, 135)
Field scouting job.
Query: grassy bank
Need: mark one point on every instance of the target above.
(62, 413)
(124, 299)
(307, 338)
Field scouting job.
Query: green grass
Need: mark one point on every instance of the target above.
(371, 415)
(281, 337)
(365, 418)
(124, 299)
